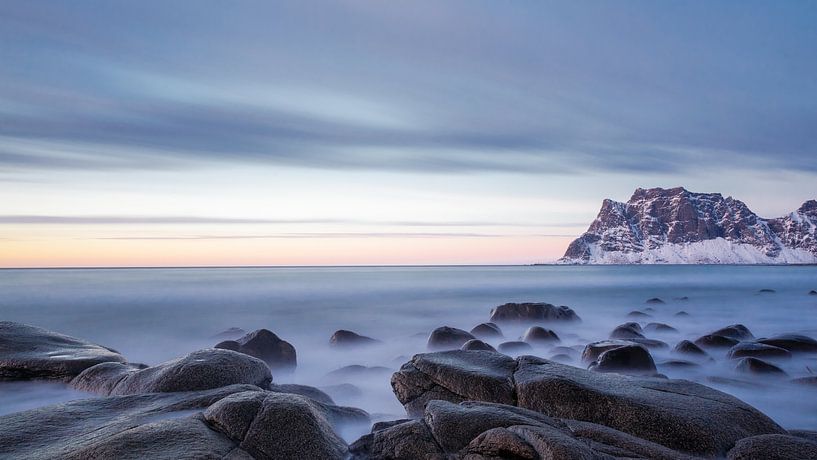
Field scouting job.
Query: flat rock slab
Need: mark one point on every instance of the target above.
(677, 414)
(29, 352)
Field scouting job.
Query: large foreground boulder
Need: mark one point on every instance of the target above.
(29, 352)
(200, 370)
(265, 345)
(172, 426)
(532, 312)
(677, 414)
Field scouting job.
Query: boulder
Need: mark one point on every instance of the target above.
(716, 341)
(540, 335)
(448, 338)
(532, 312)
(638, 314)
(629, 359)
(810, 380)
(348, 339)
(592, 351)
(678, 364)
(514, 347)
(454, 376)
(812, 292)
(606, 440)
(29, 352)
(682, 314)
(405, 441)
(735, 331)
(655, 301)
(758, 366)
(476, 345)
(265, 345)
(200, 370)
(773, 447)
(302, 390)
(659, 328)
(685, 347)
(652, 344)
(758, 350)
(795, 343)
(766, 291)
(627, 331)
(486, 331)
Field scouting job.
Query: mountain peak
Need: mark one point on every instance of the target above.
(674, 225)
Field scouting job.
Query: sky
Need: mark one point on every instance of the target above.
(175, 133)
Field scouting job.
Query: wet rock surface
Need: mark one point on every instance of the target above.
(486, 331)
(265, 345)
(795, 343)
(758, 350)
(533, 312)
(628, 359)
(539, 335)
(348, 339)
(448, 338)
(29, 353)
(758, 366)
(773, 447)
(477, 345)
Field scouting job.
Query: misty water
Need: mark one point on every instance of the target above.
(152, 315)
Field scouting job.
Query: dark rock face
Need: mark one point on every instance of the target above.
(812, 292)
(677, 414)
(685, 347)
(29, 352)
(515, 347)
(809, 380)
(627, 331)
(239, 422)
(540, 335)
(448, 338)
(200, 370)
(348, 339)
(758, 366)
(592, 351)
(655, 301)
(766, 291)
(532, 312)
(654, 218)
(263, 344)
(659, 328)
(486, 331)
(715, 341)
(758, 350)
(735, 331)
(629, 359)
(773, 447)
(682, 314)
(638, 314)
(795, 343)
(476, 345)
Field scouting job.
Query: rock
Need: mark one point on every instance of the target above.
(200, 370)
(716, 341)
(678, 364)
(356, 371)
(649, 310)
(638, 314)
(659, 328)
(685, 347)
(682, 298)
(812, 292)
(805, 434)
(655, 301)
(608, 441)
(29, 352)
(532, 312)
(406, 441)
(667, 412)
(677, 414)
(627, 331)
(735, 331)
(795, 343)
(515, 347)
(758, 350)
(263, 344)
(682, 314)
(540, 335)
(499, 443)
(773, 447)
(454, 376)
(119, 427)
(758, 366)
(486, 331)
(766, 291)
(274, 425)
(810, 380)
(652, 344)
(476, 345)
(592, 351)
(447, 338)
(229, 334)
(629, 359)
(302, 390)
(348, 339)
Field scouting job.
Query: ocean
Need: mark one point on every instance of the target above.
(154, 314)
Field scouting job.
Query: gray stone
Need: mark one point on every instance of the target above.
(448, 338)
(629, 359)
(627, 331)
(716, 341)
(540, 335)
(29, 352)
(477, 345)
(735, 331)
(773, 447)
(758, 350)
(532, 312)
(348, 339)
(486, 331)
(685, 347)
(411, 440)
(758, 366)
(263, 344)
(660, 328)
(795, 343)
(592, 351)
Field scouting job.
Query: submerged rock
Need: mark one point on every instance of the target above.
(682, 314)
(758, 350)
(265, 345)
(448, 338)
(476, 344)
(486, 331)
(29, 352)
(628, 359)
(716, 341)
(540, 335)
(348, 339)
(812, 292)
(659, 328)
(766, 291)
(655, 301)
(514, 347)
(758, 366)
(677, 414)
(532, 312)
(200, 370)
(735, 331)
(627, 331)
(685, 347)
(592, 351)
(795, 343)
(638, 314)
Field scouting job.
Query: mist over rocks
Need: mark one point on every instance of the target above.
(448, 338)
(486, 331)
(348, 339)
(263, 344)
(31, 353)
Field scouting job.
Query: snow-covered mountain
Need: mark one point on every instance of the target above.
(676, 226)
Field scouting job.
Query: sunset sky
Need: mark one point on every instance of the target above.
(365, 132)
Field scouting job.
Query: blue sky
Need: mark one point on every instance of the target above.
(497, 127)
